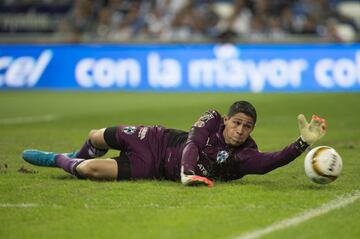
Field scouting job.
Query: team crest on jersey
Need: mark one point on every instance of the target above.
(129, 130)
(222, 156)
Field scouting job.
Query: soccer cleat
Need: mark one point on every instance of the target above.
(40, 158)
(71, 155)
(43, 158)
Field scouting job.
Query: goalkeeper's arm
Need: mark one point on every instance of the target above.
(255, 162)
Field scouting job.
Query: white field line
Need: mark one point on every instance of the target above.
(27, 205)
(28, 119)
(307, 215)
(19, 205)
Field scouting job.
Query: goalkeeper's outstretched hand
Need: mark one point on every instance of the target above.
(313, 131)
(194, 180)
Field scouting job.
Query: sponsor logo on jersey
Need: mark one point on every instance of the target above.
(203, 170)
(206, 116)
(199, 123)
(222, 156)
(142, 132)
(129, 130)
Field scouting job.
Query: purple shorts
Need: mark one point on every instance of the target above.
(142, 150)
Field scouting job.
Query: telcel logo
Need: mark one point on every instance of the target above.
(24, 70)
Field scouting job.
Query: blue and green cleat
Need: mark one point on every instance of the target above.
(42, 158)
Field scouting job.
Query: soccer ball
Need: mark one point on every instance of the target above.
(323, 164)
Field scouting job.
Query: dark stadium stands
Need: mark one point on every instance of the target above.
(179, 21)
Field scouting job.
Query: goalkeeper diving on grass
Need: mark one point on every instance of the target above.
(215, 148)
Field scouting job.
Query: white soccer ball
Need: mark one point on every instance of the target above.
(323, 164)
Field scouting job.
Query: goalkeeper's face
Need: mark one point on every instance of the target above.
(237, 128)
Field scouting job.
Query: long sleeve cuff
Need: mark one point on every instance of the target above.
(301, 145)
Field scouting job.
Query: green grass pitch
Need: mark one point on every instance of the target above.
(38, 202)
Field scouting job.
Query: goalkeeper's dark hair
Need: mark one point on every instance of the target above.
(243, 106)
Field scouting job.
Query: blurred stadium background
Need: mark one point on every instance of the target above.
(179, 21)
(192, 45)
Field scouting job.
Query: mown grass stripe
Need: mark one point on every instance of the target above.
(18, 205)
(28, 119)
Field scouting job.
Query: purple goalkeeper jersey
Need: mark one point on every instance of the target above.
(204, 151)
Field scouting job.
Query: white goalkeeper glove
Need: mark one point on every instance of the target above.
(313, 131)
(194, 180)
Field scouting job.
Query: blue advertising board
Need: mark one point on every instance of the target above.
(190, 67)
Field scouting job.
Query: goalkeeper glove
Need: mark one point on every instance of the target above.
(313, 131)
(190, 179)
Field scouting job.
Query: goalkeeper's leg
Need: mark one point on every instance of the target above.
(95, 146)
(97, 169)
(85, 165)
